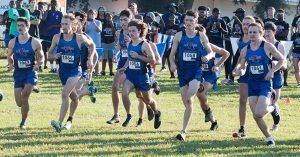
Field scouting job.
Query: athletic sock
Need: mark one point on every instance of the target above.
(270, 138)
(207, 111)
(70, 119)
(23, 121)
(51, 66)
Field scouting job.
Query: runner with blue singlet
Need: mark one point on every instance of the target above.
(68, 46)
(189, 43)
(123, 40)
(21, 57)
(139, 55)
(258, 55)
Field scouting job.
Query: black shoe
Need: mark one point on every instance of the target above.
(52, 71)
(275, 114)
(181, 136)
(156, 88)
(139, 123)
(271, 143)
(114, 119)
(127, 121)
(150, 114)
(45, 67)
(36, 89)
(285, 84)
(214, 126)
(239, 134)
(172, 76)
(157, 120)
(102, 73)
(111, 74)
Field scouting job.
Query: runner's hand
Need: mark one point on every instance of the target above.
(36, 67)
(58, 55)
(269, 75)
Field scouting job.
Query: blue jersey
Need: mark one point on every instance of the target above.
(53, 18)
(70, 55)
(189, 53)
(23, 56)
(84, 54)
(258, 63)
(245, 77)
(123, 50)
(136, 66)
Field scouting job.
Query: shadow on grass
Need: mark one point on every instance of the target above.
(151, 146)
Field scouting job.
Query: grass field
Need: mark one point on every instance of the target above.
(91, 136)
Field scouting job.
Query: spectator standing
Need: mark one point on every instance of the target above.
(108, 43)
(14, 14)
(134, 9)
(7, 22)
(93, 28)
(172, 9)
(270, 15)
(35, 18)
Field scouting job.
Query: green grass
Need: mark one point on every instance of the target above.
(91, 136)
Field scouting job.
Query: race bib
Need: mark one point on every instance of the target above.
(67, 59)
(124, 53)
(257, 69)
(205, 67)
(134, 65)
(189, 56)
(24, 64)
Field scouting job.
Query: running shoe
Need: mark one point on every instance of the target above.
(214, 126)
(275, 114)
(239, 134)
(36, 89)
(68, 125)
(208, 116)
(150, 113)
(181, 136)
(114, 119)
(157, 120)
(56, 126)
(139, 122)
(127, 121)
(163, 68)
(271, 143)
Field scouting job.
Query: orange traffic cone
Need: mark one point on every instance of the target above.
(288, 100)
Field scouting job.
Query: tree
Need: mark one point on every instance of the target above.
(159, 5)
(261, 6)
(81, 4)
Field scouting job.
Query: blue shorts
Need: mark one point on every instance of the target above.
(6, 39)
(65, 75)
(245, 77)
(296, 55)
(256, 88)
(187, 76)
(24, 77)
(277, 80)
(211, 78)
(141, 82)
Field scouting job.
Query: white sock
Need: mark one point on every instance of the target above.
(51, 66)
(57, 67)
(270, 138)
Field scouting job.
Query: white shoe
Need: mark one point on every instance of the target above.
(181, 136)
(68, 125)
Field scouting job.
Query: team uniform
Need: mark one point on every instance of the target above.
(245, 77)
(208, 75)
(69, 63)
(258, 64)
(277, 79)
(190, 51)
(296, 44)
(137, 69)
(24, 62)
(123, 51)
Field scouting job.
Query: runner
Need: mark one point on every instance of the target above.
(190, 43)
(209, 70)
(243, 80)
(123, 39)
(258, 57)
(270, 31)
(21, 57)
(68, 46)
(140, 54)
